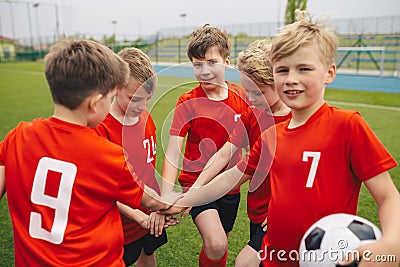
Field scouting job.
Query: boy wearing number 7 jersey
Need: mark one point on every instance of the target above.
(62, 179)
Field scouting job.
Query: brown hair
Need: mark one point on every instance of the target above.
(76, 68)
(206, 37)
(140, 67)
(255, 62)
(305, 31)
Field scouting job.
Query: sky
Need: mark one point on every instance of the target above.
(130, 18)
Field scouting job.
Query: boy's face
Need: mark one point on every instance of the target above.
(133, 99)
(262, 96)
(210, 71)
(300, 78)
(102, 108)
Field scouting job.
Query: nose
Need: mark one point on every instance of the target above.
(291, 78)
(143, 105)
(205, 70)
(251, 97)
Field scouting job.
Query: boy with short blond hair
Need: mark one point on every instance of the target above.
(206, 115)
(62, 179)
(131, 126)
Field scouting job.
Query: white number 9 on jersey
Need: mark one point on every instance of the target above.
(60, 203)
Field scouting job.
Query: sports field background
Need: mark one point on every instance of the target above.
(25, 96)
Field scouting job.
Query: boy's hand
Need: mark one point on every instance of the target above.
(173, 210)
(170, 221)
(264, 224)
(156, 223)
(142, 219)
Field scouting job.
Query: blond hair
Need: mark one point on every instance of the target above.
(255, 62)
(76, 68)
(206, 37)
(305, 31)
(140, 67)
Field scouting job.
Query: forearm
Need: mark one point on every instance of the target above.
(171, 164)
(133, 214)
(215, 164)
(387, 198)
(169, 174)
(152, 201)
(389, 217)
(218, 187)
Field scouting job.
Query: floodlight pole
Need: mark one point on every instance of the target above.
(114, 22)
(36, 6)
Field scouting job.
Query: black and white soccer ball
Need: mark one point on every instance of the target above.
(331, 238)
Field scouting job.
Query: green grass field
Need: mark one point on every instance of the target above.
(25, 95)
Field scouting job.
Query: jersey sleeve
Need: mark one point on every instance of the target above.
(102, 131)
(367, 154)
(129, 193)
(239, 136)
(259, 159)
(181, 121)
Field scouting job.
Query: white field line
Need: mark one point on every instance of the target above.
(23, 71)
(364, 105)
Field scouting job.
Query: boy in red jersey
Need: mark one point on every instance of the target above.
(322, 154)
(130, 125)
(62, 179)
(256, 76)
(206, 115)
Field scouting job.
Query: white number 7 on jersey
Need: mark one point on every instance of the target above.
(314, 165)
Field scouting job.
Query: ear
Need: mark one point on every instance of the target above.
(93, 101)
(331, 74)
(227, 61)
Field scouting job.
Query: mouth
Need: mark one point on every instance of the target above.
(293, 92)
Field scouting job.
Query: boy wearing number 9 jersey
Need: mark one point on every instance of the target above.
(62, 179)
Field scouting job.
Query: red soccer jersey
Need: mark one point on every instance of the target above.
(63, 181)
(139, 142)
(207, 124)
(317, 170)
(256, 121)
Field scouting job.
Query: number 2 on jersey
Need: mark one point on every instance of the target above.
(314, 165)
(150, 147)
(60, 204)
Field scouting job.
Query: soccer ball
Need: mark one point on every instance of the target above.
(331, 239)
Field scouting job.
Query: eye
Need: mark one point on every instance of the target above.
(305, 69)
(281, 70)
(197, 64)
(134, 100)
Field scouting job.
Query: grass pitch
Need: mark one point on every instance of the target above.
(25, 96)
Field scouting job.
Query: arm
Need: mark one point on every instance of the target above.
(215, 164)
(135, 215)
(2, 181)
(387, 198)
(218, 187)
(152, 201)
(171, 163)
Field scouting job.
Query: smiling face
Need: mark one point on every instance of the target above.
(301, 77)
(210, 70)
(132, 99)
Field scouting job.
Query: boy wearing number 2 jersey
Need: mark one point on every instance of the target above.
(130, 125)
(62, 179)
